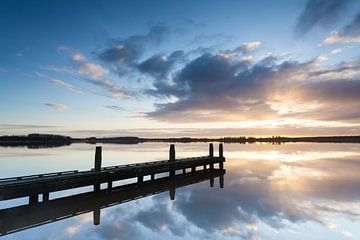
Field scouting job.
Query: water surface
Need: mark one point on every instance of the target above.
(291, 191)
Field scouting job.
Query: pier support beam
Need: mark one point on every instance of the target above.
(211, 182)
(109, 185)
(184, 170)
(153, 176)
(172, 158)
(140, 179)
(97, 166)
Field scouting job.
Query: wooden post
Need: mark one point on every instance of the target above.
(140, 179)
(221, 155)
(211, 150)
(153, 176)
(221, 150)
(193, 169)
(109, 185)
(204, 166)
(184, 170)
(97, 166)
(211, 154)
(172, 158)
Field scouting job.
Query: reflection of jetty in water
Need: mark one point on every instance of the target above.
(51, 210)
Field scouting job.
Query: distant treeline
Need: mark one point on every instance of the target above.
(49, 140)
(35, 140)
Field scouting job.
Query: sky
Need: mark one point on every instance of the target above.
(180, 68)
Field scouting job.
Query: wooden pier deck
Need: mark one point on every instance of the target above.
(43, 184)
(13, 219)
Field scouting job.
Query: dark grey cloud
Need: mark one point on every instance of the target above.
(320, 13)
(353, 28)
(213, 86)
(126, 52)
(160, 65)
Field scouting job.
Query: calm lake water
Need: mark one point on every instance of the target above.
(291, 191)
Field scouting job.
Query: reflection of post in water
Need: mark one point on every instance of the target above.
(96, 215)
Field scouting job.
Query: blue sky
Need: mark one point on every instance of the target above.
(180, 67)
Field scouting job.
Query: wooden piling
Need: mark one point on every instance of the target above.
(211, 154)
(211, 150)
(172, 158)
(221, 155)
(97, 165)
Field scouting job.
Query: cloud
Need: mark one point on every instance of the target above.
(65, 85)
(97, 75)
(353, 28)
(336, 51)
(88, 69)
(251, 46)
(24, 126)
(58, 83)
(126, 52)
(336, 37)
(215, 87)
(115, 107)
(320, 13)
(56, 106)
(159, 65)
(348, 34)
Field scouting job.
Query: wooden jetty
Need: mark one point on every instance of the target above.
(43, 184)
(12, 219)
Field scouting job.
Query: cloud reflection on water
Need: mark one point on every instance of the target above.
(295, 191)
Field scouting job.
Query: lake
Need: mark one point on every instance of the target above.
(288, 191)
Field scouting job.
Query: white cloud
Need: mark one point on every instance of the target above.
(336, 37)
(250, 46)
(336, 51)
(78, 56)
(65, 85)
(92, 70)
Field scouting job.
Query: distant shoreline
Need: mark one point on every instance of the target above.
(49, 140)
